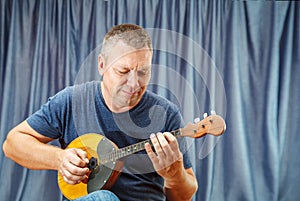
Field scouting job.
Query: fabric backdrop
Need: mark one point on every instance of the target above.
(239, 58)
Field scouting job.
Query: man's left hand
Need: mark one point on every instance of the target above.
(167, 158)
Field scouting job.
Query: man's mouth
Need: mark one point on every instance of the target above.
(131, 93)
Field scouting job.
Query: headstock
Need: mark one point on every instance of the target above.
(213, 125)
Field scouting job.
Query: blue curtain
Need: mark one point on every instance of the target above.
(239, 58)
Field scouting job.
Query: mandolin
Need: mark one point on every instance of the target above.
(104, 155)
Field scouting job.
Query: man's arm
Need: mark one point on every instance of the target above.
(30, 149)
(180, 183)
(183, 187)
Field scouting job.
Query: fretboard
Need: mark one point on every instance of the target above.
(131, 149)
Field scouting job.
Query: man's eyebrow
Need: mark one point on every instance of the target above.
(119, 66)
(143, 69)
(146, 67)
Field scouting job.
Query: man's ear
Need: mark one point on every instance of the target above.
(101, 64)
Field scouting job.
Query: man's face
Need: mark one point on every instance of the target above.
(126, 73)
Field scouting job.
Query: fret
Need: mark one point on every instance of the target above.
(176, 133)
(114, 155)
(125, 151)
(117, 154)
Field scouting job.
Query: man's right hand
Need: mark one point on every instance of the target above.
(73, 165)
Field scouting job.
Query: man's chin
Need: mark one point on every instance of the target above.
(129, 101)
(133, 101)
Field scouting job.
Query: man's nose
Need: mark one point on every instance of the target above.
(133, 79)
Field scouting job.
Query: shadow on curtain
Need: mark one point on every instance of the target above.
(239, 58)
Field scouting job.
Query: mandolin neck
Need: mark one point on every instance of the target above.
(131, 149)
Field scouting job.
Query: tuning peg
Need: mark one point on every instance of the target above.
(204, 115)
(213, 112)
(196, 120)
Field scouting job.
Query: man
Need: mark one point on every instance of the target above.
(120, 108)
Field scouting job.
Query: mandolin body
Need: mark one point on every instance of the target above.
(103, 176)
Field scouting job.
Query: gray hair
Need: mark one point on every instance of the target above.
(130, 34)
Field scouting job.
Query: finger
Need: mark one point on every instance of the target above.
(77, 157)
(83, 155)
(164, 144)
(156, 144)
(74, 169)
(169, 137)
(172, 141)
(73, 163)
(173, 146)
(169, 146)
(150, 153)
(75, 180)
(162, 140)
(72, 178)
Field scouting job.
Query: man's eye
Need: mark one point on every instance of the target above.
(122, 71)
(142, 73)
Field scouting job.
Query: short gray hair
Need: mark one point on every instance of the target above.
(132, 35)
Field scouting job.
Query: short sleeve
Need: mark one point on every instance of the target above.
(50, 119)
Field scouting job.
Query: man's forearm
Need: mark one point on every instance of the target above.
(183, 187)
(28, 151)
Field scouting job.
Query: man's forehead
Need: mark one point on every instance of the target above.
(128, 54)
(132, 63)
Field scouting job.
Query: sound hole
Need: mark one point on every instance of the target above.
(92, 163)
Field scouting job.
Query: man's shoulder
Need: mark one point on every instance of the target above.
(75, 92)
(91, 85)
(155, 97)
(82, 88)
(160, 100)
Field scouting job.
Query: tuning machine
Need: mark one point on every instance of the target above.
(197, 120)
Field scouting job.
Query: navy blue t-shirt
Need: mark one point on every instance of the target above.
(81, 109)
